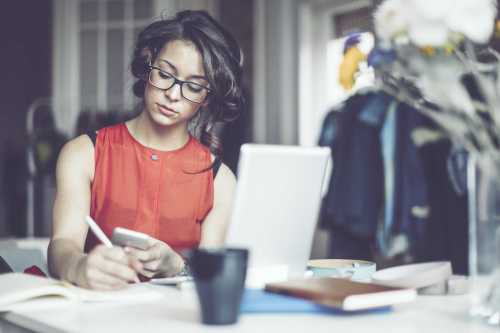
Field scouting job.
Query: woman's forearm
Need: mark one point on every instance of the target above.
(64, 259)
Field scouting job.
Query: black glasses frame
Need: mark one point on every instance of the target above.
(179, 82)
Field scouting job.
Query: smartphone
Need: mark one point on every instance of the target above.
(131, 238)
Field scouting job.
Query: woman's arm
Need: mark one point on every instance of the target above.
(74, 173)
(103, 268)
(213, 230)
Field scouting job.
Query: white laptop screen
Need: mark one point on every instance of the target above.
(277, 202)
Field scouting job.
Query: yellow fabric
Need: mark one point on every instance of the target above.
(428, 50)
(349, 67)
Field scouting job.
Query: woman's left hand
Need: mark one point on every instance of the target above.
(158, 259)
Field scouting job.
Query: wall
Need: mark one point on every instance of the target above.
(25, 28)
(236, 16)
(316, 29)
(275, 107)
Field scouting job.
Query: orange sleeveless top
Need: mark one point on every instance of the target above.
(160, 193)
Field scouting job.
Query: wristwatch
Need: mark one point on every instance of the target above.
(185, 269)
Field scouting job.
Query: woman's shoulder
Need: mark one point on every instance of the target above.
(112, 130)
(81, 145)
(77, 154)
(113, 134)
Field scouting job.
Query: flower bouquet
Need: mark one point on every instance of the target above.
(435, 56)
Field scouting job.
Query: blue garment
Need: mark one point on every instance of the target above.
(388, 139)
(356, 187)
(377, 180)
(328, 130)
(383, 184)
(374, 110)
(410, 181)
(445, 235)
(457, 169)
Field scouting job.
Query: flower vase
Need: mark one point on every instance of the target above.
(483, 181)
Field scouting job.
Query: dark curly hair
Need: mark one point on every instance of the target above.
(222, 62)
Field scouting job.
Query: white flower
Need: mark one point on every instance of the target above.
(435, 22)
(426, 25)
(391, 19)
(469, 114)
(474, 18)
(428, 33)
(431, 9)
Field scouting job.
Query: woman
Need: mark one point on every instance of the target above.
(151, 174)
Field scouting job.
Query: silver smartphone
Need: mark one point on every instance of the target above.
(131, 238)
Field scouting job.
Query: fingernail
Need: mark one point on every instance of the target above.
(136, 279)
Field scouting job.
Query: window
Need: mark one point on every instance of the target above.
(93, 41)
(353, 21)
(107, 31)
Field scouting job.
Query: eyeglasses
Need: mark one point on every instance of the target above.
(191, 91)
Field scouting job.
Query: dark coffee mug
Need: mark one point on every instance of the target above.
(219, 276)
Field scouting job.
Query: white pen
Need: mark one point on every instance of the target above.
(98, 231)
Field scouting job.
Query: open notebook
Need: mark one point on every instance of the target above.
(17, 289)
(343, 294)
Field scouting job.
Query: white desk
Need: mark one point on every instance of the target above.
(178, 312)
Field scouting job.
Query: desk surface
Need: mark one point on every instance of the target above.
(178, 312)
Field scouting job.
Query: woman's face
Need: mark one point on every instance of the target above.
(179, 60)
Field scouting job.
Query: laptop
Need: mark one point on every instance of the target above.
(277, 202)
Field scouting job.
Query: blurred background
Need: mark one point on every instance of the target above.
(65, 70)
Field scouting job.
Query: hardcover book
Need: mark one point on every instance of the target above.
(342, 293)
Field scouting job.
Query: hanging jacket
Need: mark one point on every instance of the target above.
(355, 192)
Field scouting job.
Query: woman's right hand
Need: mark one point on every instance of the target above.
(107, 269)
